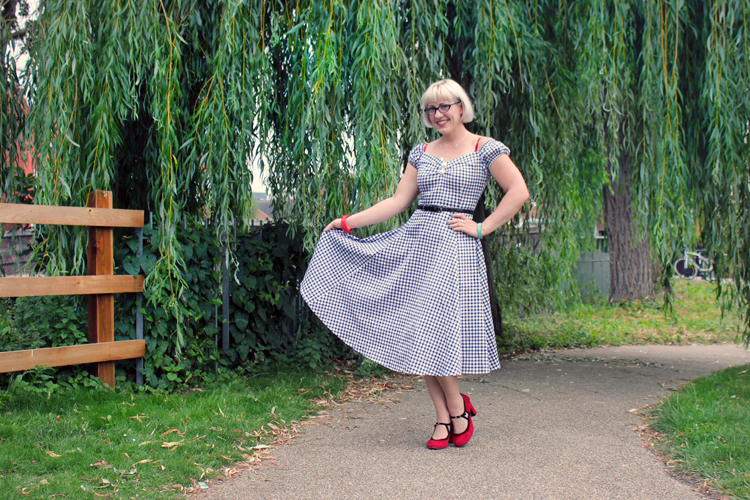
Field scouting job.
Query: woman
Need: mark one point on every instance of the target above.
(415, 299)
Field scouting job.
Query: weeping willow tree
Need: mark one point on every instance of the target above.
(635, 110)
(672, 105)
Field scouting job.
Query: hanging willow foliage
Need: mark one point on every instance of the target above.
(169, 103)
(12, 121)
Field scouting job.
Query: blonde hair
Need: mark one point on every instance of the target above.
(447, 89)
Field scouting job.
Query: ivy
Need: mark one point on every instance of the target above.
(268, 323)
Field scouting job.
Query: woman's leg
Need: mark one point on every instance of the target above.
(441, 406)
(448, 402)
(454, 401)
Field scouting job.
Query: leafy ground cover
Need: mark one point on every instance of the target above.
(95, 443)
(696, 318)
(705, 430)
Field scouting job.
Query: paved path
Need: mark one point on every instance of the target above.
(560, 428)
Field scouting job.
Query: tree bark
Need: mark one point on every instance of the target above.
(630, 265)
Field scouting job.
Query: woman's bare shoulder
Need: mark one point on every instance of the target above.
(482, 141)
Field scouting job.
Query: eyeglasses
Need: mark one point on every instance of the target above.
(443, 108)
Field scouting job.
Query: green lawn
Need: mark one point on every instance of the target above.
(705, 430)
(696, 318)
(148, 446)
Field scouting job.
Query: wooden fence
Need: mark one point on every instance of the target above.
(99, 285)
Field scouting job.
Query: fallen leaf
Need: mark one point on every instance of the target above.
(274, 427)
(129, 473)
(173, 444)
(53, 455)
(99, 463)
(144, 443)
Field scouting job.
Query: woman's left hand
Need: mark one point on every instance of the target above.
(461, 223)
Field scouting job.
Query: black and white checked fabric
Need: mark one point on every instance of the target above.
(414, 299)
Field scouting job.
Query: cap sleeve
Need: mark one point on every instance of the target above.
(415, 155)
(491, 150)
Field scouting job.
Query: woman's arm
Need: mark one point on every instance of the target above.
(511, 181)
(405, 193)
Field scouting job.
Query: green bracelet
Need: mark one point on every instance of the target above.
(479, 230)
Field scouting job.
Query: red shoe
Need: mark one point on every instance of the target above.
(461, 439)
(439, 444)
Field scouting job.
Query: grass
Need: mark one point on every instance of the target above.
(696, 318)
(706, 430)
(96, 443)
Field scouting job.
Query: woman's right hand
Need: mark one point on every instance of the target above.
(335, 224)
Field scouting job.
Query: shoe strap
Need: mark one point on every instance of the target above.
(447, 426)
(465, 415)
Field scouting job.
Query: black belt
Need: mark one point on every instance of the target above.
(438, 208)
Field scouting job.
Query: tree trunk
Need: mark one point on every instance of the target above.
(630, 264)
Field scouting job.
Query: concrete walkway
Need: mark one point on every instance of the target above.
(562, 426)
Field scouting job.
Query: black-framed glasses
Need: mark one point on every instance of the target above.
(443, 108)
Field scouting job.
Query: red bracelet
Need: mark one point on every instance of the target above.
(343, 224)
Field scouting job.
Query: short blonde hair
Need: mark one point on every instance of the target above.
(447, 89)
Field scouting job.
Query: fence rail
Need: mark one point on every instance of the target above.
(69, 285)
(70, 216)
(13, 361)
(100, 285)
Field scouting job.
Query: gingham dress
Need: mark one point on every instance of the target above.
(414, 299)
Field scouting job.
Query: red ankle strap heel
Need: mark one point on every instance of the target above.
(461, 439)
(439, 444)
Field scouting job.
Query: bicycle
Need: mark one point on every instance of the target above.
(694, 264)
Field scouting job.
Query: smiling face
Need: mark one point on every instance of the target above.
(446, 92)
(446, 122)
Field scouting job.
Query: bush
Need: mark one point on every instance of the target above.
(268, 322)
(38, 322)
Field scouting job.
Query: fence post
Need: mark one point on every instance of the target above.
(102, 306)
(225, 295)
(139, 314)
